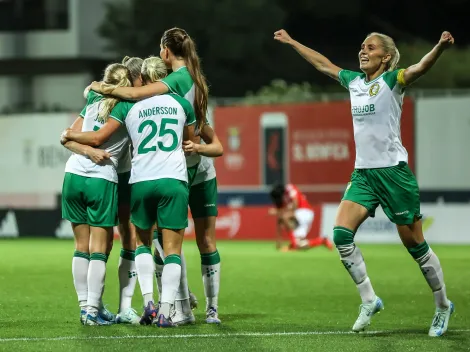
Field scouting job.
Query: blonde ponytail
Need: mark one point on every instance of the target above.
(153, 69)
(116, 75)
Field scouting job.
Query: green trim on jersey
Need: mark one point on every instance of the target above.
(91, 98)
(391, 78)
(188, 109)
(120, 111)
(179, 81)
(346, 77)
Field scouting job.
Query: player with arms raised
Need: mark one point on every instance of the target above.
(381, 174)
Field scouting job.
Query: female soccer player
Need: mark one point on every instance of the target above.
(89, 199)
(126, 270)
(159, 182)
(381, 174)
(178, 51)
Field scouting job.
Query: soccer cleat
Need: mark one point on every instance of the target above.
(178, 318)
(129, 316)
(212, 317)
(366, 311)
(163, 322)
(149, 314)
(441, 320)
(82, 316)
(95, 319)
(193, 300)
(105, 314)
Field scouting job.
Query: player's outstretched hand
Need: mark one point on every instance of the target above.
(282, 36)
(446, 40)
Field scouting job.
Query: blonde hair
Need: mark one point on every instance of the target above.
(134, 64)
(119, 76)
(388, 44)
(153, 69)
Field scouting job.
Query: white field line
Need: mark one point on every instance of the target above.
(184, 336)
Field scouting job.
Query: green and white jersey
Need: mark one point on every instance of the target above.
(205, 170)
(376, 108)
(180, 82)
(155, 126)
(116, 145)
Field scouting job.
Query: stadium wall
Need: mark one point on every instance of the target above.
(310, 145)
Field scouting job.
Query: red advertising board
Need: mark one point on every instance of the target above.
(310, 145)
(250, 223)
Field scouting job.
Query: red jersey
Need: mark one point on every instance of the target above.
(292, 194)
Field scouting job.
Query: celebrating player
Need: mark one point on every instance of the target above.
(295, 215)
(178, 51)
(381, 174)
(159, 181)
(89, 200)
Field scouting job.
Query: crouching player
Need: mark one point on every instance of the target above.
(294, 215)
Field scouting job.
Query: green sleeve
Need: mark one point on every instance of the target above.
(83, 113)
(120, 111)
(171, 81)
(392, 78)
(345, 77)
(187, 108)
(92, 97)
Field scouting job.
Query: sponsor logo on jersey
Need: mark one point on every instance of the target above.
(402, 212)
(374, 89)
(368, 109)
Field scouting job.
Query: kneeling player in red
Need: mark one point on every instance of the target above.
(295, 215)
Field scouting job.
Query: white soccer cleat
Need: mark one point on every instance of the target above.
(129, 316)
(212, 317)
(366, 311)
(180, 316)
(440, 321)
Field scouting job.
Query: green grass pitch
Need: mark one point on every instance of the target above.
(269, 301)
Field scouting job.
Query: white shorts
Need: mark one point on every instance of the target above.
(304, 217)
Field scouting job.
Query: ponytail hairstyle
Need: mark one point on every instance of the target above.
(153, 69)
(117, 75)
(388, 44)
(181, 45)
(134, 64)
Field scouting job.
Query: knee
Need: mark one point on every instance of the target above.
(342, 236)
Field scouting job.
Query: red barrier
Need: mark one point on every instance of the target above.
(250, 223)
(310, 145)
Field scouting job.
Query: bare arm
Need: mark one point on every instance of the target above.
(412, 73)
(96, 155)
(213, 148)
(131, 93)
(94, 138)
(320, 62)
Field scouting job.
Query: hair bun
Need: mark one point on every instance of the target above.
(125, 59)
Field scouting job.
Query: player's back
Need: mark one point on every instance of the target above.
(155, 126)
(116, 145)
(292, 194)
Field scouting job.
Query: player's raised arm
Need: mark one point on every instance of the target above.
(130, 93)
(320, 62)
(413, 72)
